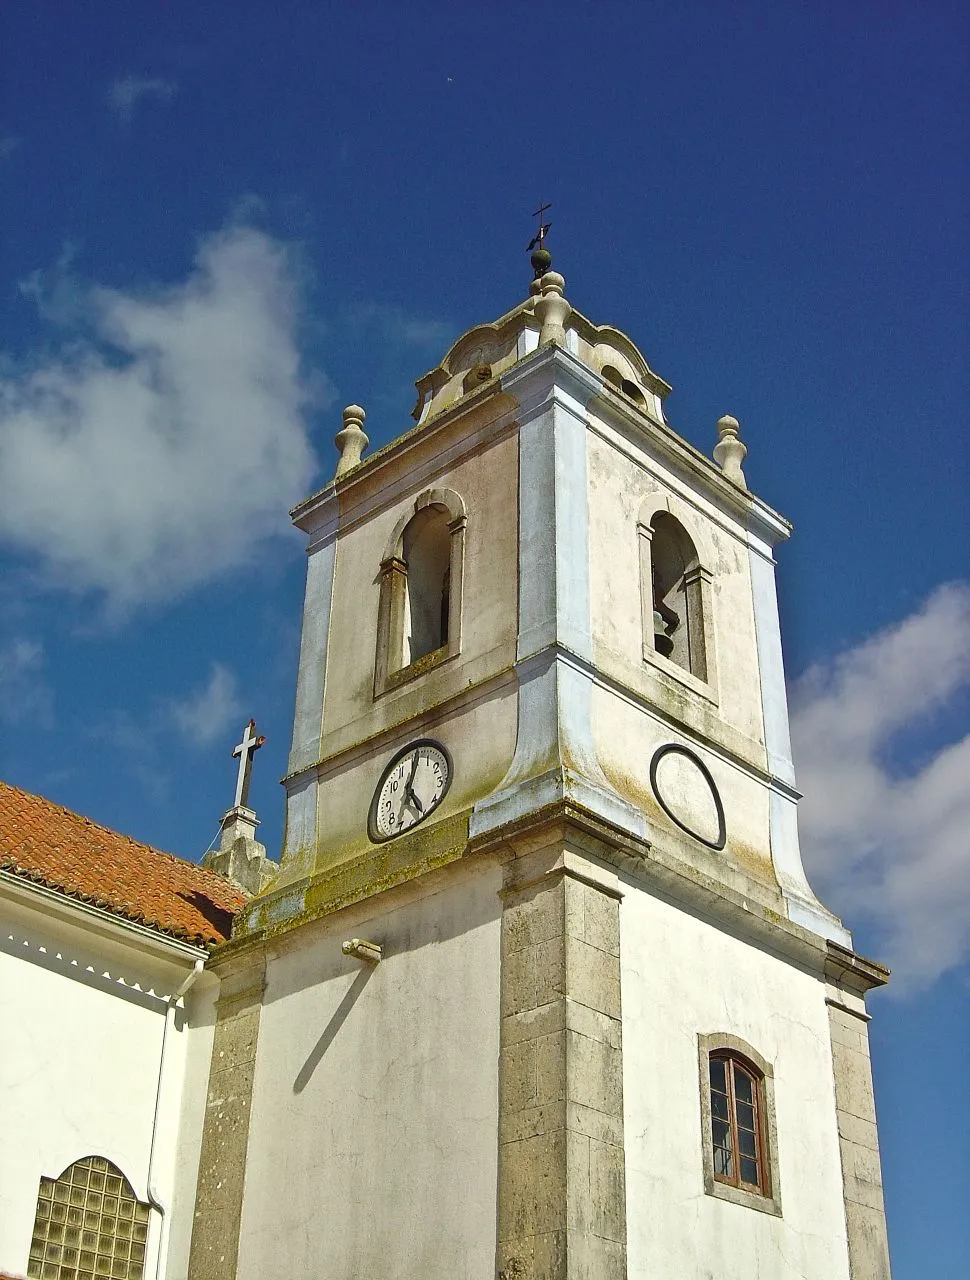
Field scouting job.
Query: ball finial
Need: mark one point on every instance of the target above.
(730, 451)
(541, 261)
(350, 440)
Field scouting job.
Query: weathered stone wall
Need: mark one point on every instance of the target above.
(225, 1137)
(562, 1211)
(865, 1213)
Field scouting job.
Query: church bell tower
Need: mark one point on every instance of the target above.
(541, 991)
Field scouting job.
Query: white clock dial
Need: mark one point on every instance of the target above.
(411, 788)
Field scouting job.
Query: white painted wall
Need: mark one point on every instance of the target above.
(373, 1138)
(82, 1016)
(682, 976)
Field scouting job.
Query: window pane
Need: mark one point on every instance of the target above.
(746, 1116)
(742, 1085)
(746, 1143)
(723, 1163)
(718, 1080)
(749, 1171)
(722, 1134)
(719, 1106)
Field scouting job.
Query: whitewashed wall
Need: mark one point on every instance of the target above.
(82, 1016)
(373, 1138)
(681, 977)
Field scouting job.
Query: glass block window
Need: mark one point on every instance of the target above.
(89, 1225)
(737, 1124)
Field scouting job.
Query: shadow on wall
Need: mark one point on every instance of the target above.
(340, 1015)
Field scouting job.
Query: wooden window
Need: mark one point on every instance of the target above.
(737, 1124)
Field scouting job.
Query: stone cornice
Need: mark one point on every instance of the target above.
(594, 848)
(852, 972)
(645, 864)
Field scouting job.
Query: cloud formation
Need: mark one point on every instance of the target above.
(24, 693)
(166, 438)
(393, 324)
(882, 845)
(126, 92)
(207, 713)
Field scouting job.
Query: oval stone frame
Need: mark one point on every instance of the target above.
(674, 748)
(372, 833)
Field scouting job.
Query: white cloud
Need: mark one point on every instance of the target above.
(206, 714)
(159, 450)
(126, 92)
(893, 850)
(393, 324)
(24, 693)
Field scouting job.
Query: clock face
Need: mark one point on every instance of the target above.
(411, 788)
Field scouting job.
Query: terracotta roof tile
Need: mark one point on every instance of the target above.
(53, 846)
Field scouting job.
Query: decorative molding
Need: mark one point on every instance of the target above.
(674, 748)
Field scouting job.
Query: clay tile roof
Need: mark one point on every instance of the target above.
(47, 844)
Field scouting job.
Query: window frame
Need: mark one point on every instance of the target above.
(729, 1048)
(390, 670)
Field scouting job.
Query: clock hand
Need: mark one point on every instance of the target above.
(409, 796)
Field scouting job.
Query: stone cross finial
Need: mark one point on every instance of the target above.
(552, 310)
(730, 452)
(245, 751)
(350, 440)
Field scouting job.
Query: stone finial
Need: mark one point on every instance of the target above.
(730, 452)
(350, 440)
(552, 310)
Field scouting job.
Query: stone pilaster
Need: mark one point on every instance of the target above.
(225, 1136)
(561, 1193)
(865, 1215)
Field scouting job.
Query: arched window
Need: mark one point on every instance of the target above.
(619, 383)
(676, 596)
(737, 1122)
(89, 1223)
(419, 623)
(740, 1157)
(427, 557)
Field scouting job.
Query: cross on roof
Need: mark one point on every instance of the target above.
(245, 750)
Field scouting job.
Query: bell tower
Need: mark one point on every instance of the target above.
(541, 991)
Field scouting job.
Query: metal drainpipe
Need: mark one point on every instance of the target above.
(153, 1199)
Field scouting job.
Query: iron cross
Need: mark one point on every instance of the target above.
(540, 235)
(245, 751)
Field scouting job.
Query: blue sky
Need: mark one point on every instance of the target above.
(223, 222)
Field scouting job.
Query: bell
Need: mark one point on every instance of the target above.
(661, 640)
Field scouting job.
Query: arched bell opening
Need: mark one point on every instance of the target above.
(674, 585)
(427, 559)
(419, 619)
